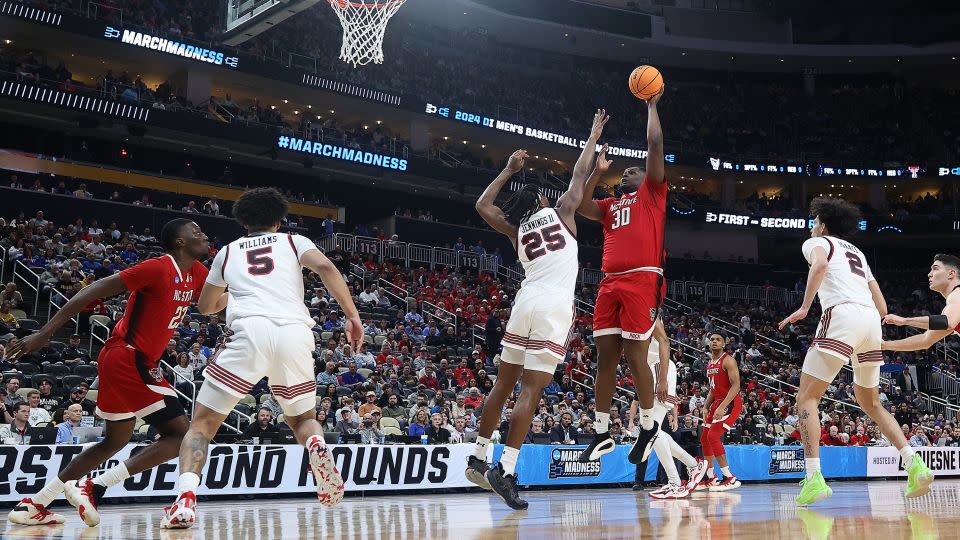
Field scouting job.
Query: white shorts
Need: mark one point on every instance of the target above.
(847, 333)
(260, 348)
(660, 409)
(538, 331)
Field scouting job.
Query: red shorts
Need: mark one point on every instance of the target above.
(627, 304)
(728, 420)
(132, 386)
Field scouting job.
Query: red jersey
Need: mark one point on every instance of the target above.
(719, 381)
(633, 228)
(160, 297)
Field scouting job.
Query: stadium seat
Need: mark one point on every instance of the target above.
(42, 424)
(249, 401)
(365, 372)
(19, 314)
(86, 371)
(343, 391)
(326, 335)
(57, 345)
(389, 430)
(368, 339)
(387, 422)
(378, 340)
(39, 376)
(92, 395)
(450, 394)
(22, 392)
(280, 418)
(28, 324)
(264, 397)
(242, 408)
(143, 429)
(102, 319)
(27, 368)
(343, 369)
(58, 370)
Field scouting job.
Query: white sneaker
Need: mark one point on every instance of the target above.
(28, 512)
(696, 473)
(672, 491)
(183, 513)
(81, 496)
(329, 481)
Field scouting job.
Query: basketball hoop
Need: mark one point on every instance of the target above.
(364, 22)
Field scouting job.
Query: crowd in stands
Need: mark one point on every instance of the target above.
(430, 353)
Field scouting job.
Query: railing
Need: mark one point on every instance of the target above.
(938, 405)
(725, 325)
(436, 311)
(31, 280)
(51, 304)
(398, 293)
(946, 383)
(94, 326)
(382, 250)
(193, 386)
(589, 377)
(479, 334)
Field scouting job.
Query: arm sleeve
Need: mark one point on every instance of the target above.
(141, 276)
(302, 244)
(604, 205)
(812, 243)
(215, 274)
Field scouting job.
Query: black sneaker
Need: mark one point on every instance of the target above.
(477, 471)
(644, 444)
(506, 487)
(601, 444)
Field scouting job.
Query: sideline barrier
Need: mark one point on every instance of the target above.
(284, 469)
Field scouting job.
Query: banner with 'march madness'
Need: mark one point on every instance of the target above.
(241, 469)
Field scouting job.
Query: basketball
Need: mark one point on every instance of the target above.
(645, 82)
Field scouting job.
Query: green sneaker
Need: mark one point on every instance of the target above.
(818, 526)
(813, 490)
(919, 478)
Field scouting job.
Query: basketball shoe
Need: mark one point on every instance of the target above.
(601, 444)
(477, 472)
(813, 489)
(726, 484)
(85, 496)
(644, 444)
(707, 483)
(183, 513)
(28, 512)
(919, 478)
(505, 485)
(671, 491)
(696, 473)
(329, 481)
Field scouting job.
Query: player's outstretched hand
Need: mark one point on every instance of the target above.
(797, 315)
(895, 320)
(652, 102)
(354, 329)
(27, 345)
(600, 119)
(603, 164)
(516, 161)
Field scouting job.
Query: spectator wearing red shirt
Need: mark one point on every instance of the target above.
(429, 379)
(462, 373)
(831, 437)
(860, 438)
(475, 398)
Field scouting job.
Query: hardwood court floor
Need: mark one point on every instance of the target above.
(874, 510)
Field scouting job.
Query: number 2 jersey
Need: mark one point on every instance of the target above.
(160, 298)
(548, 252)
(263, 277)
(633, 228)
(848, 274)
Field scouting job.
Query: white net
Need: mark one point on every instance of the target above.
(364, 22)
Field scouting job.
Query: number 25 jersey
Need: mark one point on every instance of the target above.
(848, 274)
(263, 277)
(548, 252)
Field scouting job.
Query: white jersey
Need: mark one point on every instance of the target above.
(263, 277)
(848, 273)
(548, 252)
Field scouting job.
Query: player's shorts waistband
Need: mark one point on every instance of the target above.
(653, 269)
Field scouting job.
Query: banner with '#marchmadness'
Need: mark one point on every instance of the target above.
(242, 469)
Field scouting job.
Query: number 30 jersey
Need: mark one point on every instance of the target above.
(548, 252)
(848, 274)
(633, 228)
(263, 277)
